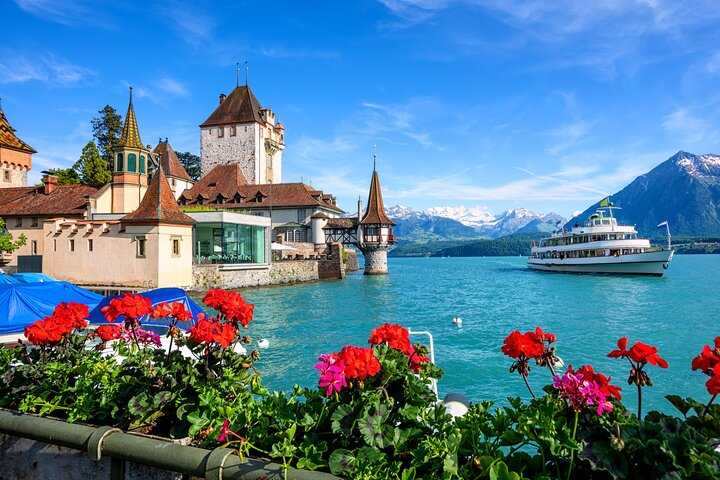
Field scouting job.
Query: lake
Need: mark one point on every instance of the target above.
(678, 313)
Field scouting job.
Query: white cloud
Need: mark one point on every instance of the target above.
(713, 65)
(172, 86)
(46, 68)
(689, 127)
(65, 12)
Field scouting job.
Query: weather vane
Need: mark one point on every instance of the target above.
(246, 73)
(374, 157)
(237, 74)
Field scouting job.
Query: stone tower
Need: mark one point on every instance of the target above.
(15, 156)
(130, 169)
(241, 132)
(375, 236)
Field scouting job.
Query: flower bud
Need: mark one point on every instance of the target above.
(255, 355)
(617, 443)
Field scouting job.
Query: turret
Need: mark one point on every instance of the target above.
(375, 235)
(130, 166)
(15, 156)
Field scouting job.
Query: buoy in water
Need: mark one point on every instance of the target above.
(454, 320)
(457, 321)
(559, 362)
(263, 343)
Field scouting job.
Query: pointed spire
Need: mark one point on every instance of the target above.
(8, 138)
(130, 135)
(375, 213)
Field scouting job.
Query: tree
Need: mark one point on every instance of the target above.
(191, 163)
(91, 167)
(7, 243)
(66, 176)
(106, 131)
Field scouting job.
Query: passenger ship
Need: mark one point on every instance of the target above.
(600, 246)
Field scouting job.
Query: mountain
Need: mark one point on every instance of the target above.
(457, 223)
(685, 190)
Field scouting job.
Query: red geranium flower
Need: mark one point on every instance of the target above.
(416, 361)
(108, 332)
(223, 334)
(639, 353)
(161, 310)
(135, 306)
(214, 298)
(394, 336)
(236, 309)
(359, 362)
(707, 359)
(111, 311)
(72, 314)
(518, 345)
(180, 312)
(202, 331)
(622, 346)
(713, 383)
(45, 332)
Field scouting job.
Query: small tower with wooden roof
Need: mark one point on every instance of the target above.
(15, 156)
(240, 131)
(375, 235)
(130, 169)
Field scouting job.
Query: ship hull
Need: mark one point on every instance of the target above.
(650, 263)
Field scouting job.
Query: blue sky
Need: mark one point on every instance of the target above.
(494, 103)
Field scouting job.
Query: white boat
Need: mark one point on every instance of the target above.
(600, 246)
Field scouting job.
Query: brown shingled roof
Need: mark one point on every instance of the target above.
(31, 201)
(170, 161)
(375, 213)
(347, 222)
(227, 180)
(158, 205)
(241, 106)
(8, 139)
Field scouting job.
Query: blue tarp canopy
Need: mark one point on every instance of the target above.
(32, 277)
(8, 279)
(157, 296)
(24, 303)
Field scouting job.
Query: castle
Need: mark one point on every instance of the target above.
(153, 226)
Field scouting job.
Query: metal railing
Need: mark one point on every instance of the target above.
(121, 447)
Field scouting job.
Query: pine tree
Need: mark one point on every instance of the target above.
(106, 131)
(91, 167)
(191, 164)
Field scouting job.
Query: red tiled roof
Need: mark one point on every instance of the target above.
(170, 161)
(31, 201)
(8, 139)
(227, 180)
(241, 106)
(158, 205)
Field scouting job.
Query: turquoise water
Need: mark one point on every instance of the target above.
(678, 313)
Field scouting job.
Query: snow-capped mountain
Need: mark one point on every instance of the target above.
(460, 222)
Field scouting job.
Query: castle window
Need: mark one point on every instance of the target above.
(221, 132)
(175, 247)
(132, 163)
(33, 247)
(219, 200)
(72, 245)
(183, 201)
(34, 222)
(54, 245)
(119, 162)
(237, 198)
(90, 244)
(18, 222)
(199, 200)
(6, 175)
(142, 164)
(233, 131)
(140, 253)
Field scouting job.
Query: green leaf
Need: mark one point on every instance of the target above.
(500, 471)
(343, 419)
(342, 461)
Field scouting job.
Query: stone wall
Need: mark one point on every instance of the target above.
(240, 149)
(21, 458)
(286, 271)
(351, 260)
(375, 259)
(17, 176)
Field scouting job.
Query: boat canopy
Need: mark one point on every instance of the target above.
(23, 303)
(8, 279)
(157, 296)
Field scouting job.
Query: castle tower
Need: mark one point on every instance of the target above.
(375, 236)
(176, 174)
(241, 132)
(130, 157)
(15, 156)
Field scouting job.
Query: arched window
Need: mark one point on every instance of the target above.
(142, 164)
(132, 162)
(119, 163)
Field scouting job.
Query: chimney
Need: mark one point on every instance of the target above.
(359, 208)
(222, 97)
(50, 182)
